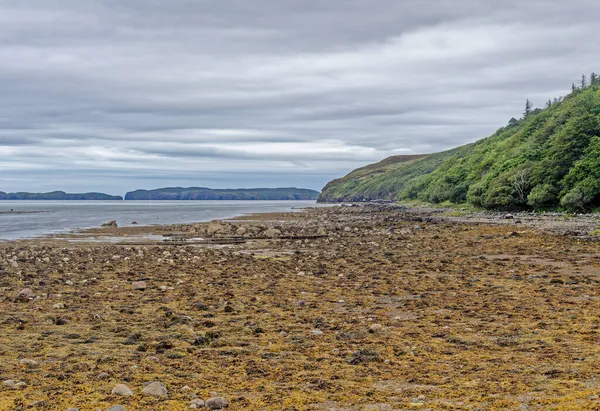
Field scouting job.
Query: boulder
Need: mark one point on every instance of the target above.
(112, 224)
(28, 363)
(25, 295)
(139, 285)
(122, 390)
(272, 233)
(217, 403)
(156, 389)
(215, 227)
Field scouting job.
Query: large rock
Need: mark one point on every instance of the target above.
(122, 390)
(156, 389)
(215, 227)
(112, 224)
(28, 363)
(25, 295)
(217, 403)
(139, 285)
(272, 233)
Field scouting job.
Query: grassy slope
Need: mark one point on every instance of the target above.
(549, 159)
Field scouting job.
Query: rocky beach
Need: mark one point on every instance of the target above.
(370, 307)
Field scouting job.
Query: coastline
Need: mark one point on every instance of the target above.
(369, 307)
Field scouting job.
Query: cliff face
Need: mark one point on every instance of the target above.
(58, 195)
(202, 193)
(549, 159)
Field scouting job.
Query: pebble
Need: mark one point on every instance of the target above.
(197, 403)
(59, 306)
(122, 390)
(117, 408)
(139, 285)
(20, 385)
(375, 328)
(69, 282)
(316, 331)
(72, 409)
(103, 376)
(156, 389)
(217, 403)
(26, 362)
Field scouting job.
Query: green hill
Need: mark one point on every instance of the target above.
(202, 193)
(548, 159)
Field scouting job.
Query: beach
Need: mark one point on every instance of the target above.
(371, 307)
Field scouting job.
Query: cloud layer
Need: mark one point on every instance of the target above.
(115, 95)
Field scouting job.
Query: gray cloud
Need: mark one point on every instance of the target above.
(115, 95)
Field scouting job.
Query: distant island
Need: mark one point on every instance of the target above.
(202, 193)
(57, 195)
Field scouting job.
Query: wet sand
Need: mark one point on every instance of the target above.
(343, 308)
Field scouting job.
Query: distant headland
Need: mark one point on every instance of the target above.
(203, 193)
(57, 195)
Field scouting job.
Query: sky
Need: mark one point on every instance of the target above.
(116, 95)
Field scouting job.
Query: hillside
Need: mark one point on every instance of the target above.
(57, 195)
(548, 159)
(202, 193)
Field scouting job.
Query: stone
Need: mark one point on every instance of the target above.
(25, 295)
(217, 403)
(214, 228)
(134, 223)
(9, 383)
(316, 331)
(103, 376)
(272, 233)
(69, 283)
(509, 217)
(112, 224)
(156, 389)
(117, 408)
(322, 231)
(59, 306)
(122, 390)
(139, 285)
(72, 409)
(20, 385)
(28, 363)
(375, 328)
(196, 403)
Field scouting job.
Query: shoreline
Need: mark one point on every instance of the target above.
(333, 308)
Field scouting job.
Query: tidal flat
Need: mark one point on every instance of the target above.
(340, 308)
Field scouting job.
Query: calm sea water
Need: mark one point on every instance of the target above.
(65, 216)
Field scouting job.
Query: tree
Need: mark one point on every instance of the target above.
(549, 103)
(583, 81)
(593, 79)
(528, 108)
(521, 184)
(573, 87)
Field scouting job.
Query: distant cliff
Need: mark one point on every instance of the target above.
(57, 195)
(202, 193)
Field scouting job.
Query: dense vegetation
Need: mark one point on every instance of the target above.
(57, 195)
(201, 193)
(548, 159)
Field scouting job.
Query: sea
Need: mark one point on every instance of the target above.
(35, 218)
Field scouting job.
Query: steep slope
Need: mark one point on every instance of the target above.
(548, 159)
(202, 193)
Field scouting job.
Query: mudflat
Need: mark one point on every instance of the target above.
(342, 308)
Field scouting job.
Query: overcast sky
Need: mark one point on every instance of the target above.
(114, 95)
